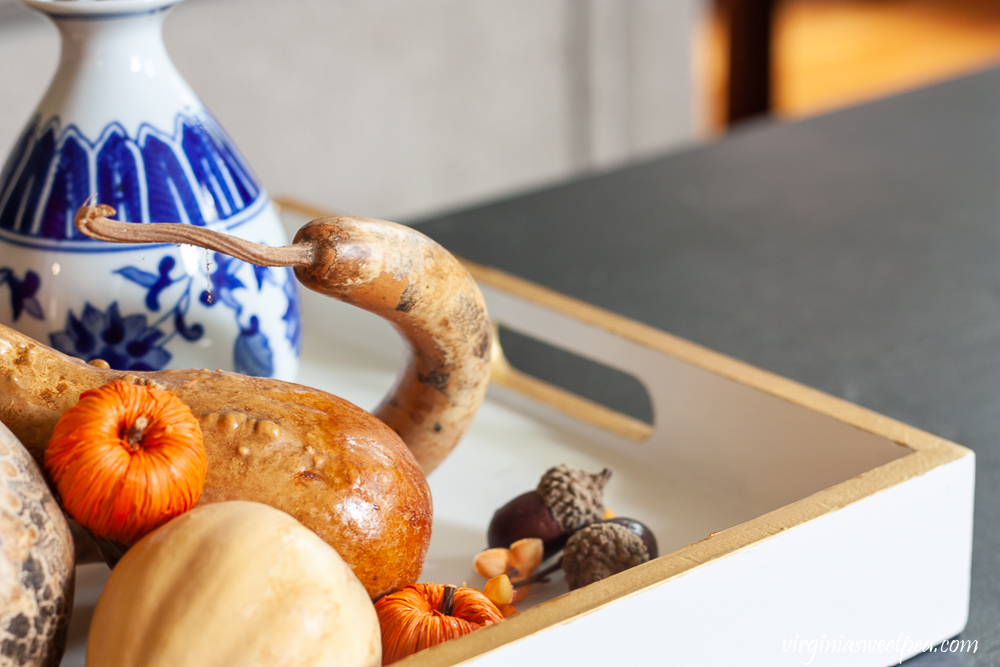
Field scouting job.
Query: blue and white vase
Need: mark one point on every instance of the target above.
(119, 122)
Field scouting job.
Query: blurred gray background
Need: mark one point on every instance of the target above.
(399, 109)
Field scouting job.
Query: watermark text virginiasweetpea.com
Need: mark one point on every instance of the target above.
(903, 646)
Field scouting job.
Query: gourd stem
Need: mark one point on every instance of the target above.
(95, 223)
(447, 600)
(134, 433)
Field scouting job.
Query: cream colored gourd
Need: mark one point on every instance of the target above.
(233, 583)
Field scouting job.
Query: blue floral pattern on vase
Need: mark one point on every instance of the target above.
(156, 283)
(224, 281)
(126, 343)
(293, 312)
(22, 293)
(252, 354)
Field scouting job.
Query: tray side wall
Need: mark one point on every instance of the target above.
(735, 438)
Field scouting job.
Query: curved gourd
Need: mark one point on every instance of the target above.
(387, 269)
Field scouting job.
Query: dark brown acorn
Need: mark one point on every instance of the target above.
(565, 500)
(525, 516)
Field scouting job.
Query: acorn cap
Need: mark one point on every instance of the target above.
(640, 529)
(599, 551)
(574, 497)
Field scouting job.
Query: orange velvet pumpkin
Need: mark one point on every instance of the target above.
(422, 615)
(126, 459)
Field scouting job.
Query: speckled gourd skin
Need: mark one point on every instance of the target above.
(36, 563)
(430, 298)
(334, 467)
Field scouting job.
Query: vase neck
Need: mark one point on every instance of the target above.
(115, 68)
(91, 45)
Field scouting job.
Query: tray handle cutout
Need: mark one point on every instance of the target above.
(539, 370)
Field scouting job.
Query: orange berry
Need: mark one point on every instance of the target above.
(526, 555)
(499, 590)
(492, 563)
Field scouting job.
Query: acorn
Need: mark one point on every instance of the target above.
(565, 500)
(640, 529)
(602, 549)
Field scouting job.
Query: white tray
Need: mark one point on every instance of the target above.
(784, 514)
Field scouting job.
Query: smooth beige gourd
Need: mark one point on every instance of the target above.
(233, 583)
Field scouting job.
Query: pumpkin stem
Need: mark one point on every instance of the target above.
(134, 434)
(447, 600)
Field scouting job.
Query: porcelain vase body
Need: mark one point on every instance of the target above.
(119, 122)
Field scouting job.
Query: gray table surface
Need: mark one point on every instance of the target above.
(856, 252)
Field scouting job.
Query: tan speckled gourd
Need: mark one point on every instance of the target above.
(176, 596)
(334, 467)
(36, 563)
